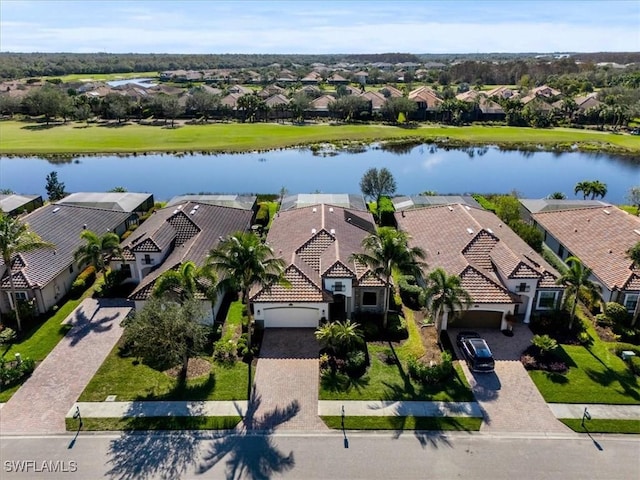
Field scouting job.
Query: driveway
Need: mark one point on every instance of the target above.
(286, 381)
(40, 405)
(508, 397)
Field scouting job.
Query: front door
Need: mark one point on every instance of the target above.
(338, 309)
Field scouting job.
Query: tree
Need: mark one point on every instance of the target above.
(203, 103)
(349, 107)
(15, 238)
(118, 190)
(377, 183)
(339, 337)
(55, 188)
(386, 250)
(165, 334)
(97, 248)
(116, 106)
(185, 282)
(243, 262)
(634, 197)
(48, 101)
(584, 187)
(577, 282)
(444, 293)
(507, 208)
(394, 106)
(299, 104)
(557, 196)
(250, 105)
(598, 189)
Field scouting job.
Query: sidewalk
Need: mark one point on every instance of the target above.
(597, 411)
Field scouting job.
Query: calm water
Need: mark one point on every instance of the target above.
(421, 168)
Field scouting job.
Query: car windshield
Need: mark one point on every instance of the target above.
(482, 351)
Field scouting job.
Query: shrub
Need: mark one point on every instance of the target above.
(126, 235)
(584, 338)
(262, 217)
(545, 343)
(77, 288)
(12, 372)
(324, 362)
(431, 374)
(225, 351)
(371, 330)
(409, 291)
(356, 363)
(529, 362)
(397, 327)
(484, 202)
(88, 275)
(634, 365)
(385, 212)
(7, 336)
(616, 313)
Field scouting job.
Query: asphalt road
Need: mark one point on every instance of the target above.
(321, 456)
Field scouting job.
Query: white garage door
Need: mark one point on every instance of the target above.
(291, 317)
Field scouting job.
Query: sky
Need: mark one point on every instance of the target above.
(310, 26)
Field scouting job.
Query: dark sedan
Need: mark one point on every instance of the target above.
(476, 352)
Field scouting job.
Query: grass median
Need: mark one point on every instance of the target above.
(25, 138)
(467, 424)
(153, 423)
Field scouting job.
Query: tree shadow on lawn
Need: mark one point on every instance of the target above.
(249, 449)
(42, 126)
(190, 391)
(608, 377)
(556, 378)
(342, 383)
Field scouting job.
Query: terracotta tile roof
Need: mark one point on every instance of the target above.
(302, 289)
(317, 240)
(598, 236)
(370, 280)
(460, 238)
(196, 232)
(62, 225)
(633, 283)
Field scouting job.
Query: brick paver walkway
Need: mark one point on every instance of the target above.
(286, 381)
(508, 398)
(40, 405)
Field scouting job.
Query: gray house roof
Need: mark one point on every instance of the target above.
(117, 201)
(344, 200)
(536, 205)
(12, 202)
(415, 201)
(244, 202)
(60, 225)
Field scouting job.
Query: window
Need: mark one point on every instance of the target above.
(631, 301)
(560, 251)
(369, 298)
(338, 287)
(147, 259)
(70, 268)
(547, 300)
(21, 296)
(125, 268)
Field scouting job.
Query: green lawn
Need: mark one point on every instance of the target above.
(602, 425)
(23, 138)
(595, 376)
(131, 380)
(41, 339)
(153, 423)
(403, 423)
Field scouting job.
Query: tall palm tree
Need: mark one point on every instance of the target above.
(243, 262)
(444, 293)
(186, 281)
(340, 337)
(388, 249)
(584, 187)
(15, 237)
(97, 248)
(598, 189)
(577, 282)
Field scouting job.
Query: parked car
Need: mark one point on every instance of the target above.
(476, 352)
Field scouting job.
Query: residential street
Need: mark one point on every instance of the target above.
(323, 456)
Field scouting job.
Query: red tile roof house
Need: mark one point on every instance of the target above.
(174, 235)
(499, 270)
(45, 275)
(600, 237)
(316, 243)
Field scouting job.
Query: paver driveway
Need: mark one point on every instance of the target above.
(40, 405)
(286, 380)
(508, 398)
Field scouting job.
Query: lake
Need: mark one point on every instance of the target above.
(416, 169)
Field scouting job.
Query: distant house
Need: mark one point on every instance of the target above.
(390, 91)
(316, 243)
(321, 104)
(231, 101)
(129, 202)
(427, 101)
(545, 91)
(361, 77)
(502, 92)
(173, 235)
(242, 202)
(586, 102)
(376, 100)
(44, 276)
(529, 206)
(500, 271)
(14, 204)
(419, 201)
(337, 79)
(313, 78)
(344, 200)
(599, 236)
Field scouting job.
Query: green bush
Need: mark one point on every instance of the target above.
(385, 212)
(616, 312)
(528, 233)
(77, 288)
(262, 217)
(484, 202)
(88, 275)
(12, 372)
(397, 327)
(409, 291)
(356, 362)
(7, 336)
(431, 374)
(545, 343)
(634, 365)
(225, 351)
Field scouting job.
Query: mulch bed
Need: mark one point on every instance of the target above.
(198, 367)
(429, 340)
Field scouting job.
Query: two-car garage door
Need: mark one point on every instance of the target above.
(478, 319)
(292, 317)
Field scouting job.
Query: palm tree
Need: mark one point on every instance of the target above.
(577, 283)
(15, 237)
(340, 337)
(186, 281)
(386, 250)
(598, 189)
(584, 187)
(97, 249)
(444, 293)
(557, 196)
(243, 262)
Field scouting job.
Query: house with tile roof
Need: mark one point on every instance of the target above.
(599, 236)
(173, 235)
(45, 275)
(316, 242)
(500, 271)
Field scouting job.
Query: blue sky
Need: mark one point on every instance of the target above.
(309, 26)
